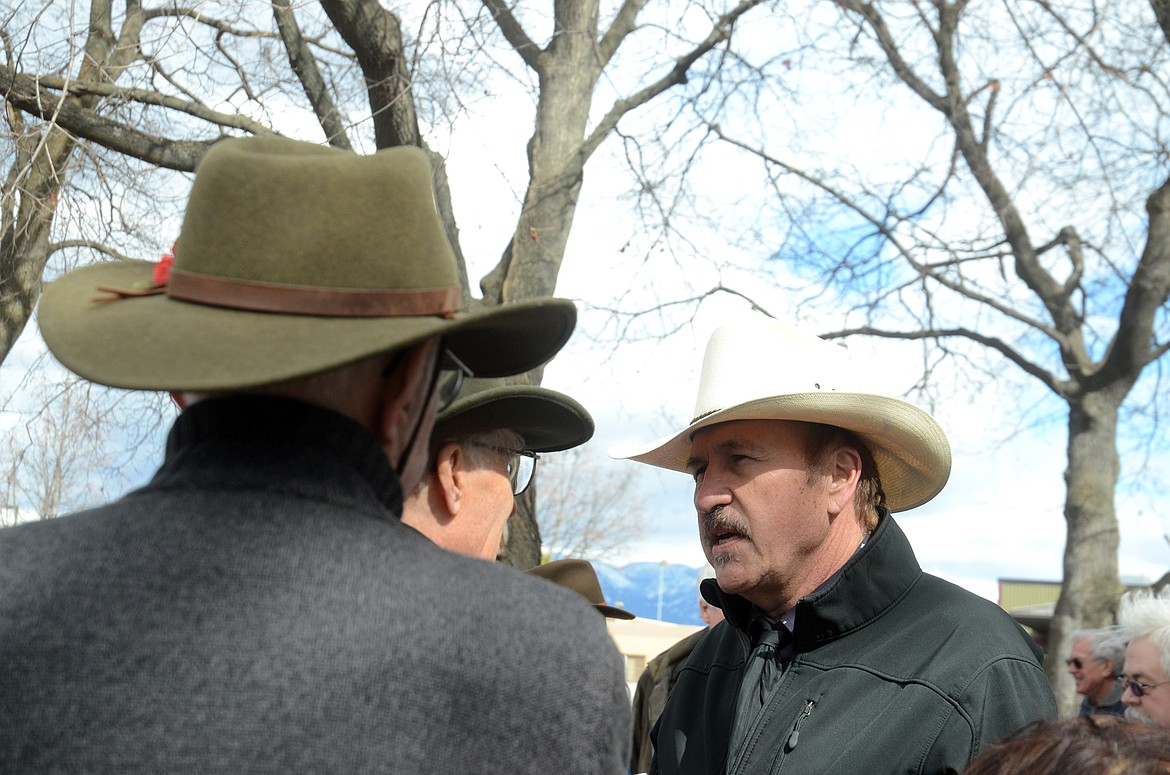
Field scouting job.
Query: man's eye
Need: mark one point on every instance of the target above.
(697, 474)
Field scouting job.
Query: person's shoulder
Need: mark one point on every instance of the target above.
(941, 604)
(513, 593)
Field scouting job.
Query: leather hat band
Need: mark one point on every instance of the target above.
(308, 300)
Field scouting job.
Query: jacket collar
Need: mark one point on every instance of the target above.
(865, 586)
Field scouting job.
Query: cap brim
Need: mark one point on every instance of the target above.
(157, 343)
(549, 421)
(909, 447)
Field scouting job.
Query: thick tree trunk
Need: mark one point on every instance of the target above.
(568, 71)
(1089, 595)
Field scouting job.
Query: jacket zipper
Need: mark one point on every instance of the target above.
(736, 764)
(794, 735)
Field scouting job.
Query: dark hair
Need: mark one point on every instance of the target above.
(820, 440)
(1084, 745)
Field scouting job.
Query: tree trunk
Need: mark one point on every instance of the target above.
(568, 69)
(1091, 588)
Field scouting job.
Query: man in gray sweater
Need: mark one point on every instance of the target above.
(258, 606)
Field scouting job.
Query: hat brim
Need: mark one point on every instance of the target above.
(158, 343)
(909, 447)
(610, 612)
(548, 421)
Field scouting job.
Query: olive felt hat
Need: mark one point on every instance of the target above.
(293, 258)
(579, 576)
(767, 370)
(549, 421)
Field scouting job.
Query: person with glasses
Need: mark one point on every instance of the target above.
(258, 606)
(1144, 619)
(1096, 659)
(484, 451)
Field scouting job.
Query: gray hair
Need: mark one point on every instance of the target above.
(1105, 643)
(483, 449)
(480, 449)
(1144, 613)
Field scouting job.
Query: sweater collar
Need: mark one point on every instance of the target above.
(288, 425)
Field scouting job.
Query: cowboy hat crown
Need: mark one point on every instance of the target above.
(293, 258)
(767, 370)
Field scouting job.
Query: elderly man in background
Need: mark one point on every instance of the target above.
(1144, 619)
(258, 606)
(1095, 661)
(483, 454)
(838, 654)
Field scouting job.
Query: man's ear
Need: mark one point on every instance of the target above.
(403, 396)
(450, 473)
(844, 474)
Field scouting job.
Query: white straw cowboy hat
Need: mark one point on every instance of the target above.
(547, 420)
(293, 258)
(766, 370)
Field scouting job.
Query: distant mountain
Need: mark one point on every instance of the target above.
(636, 588)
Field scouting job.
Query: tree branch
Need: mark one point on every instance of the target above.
(1060, 387)
(375, 36)
(514, 33)
(29, 86)
(304, 65)
(623, 24)
(23, 92)
(922, 269)
(720, 32)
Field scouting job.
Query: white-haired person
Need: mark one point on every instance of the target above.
(1095, 660)
(1144, 618)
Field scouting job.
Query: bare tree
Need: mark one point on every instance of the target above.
(1014, 223)
(587, 509)
(69, 444)
(135, 87)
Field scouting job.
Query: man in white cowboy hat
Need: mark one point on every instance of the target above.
(258, 606)
(838, 654)
(484, 450)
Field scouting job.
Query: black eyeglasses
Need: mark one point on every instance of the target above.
(521, 465)
(1139, 690)
(1074, 662)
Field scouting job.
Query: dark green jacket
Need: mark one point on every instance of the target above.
(894, 671)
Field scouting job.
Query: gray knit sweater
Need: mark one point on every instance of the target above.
(258, 607)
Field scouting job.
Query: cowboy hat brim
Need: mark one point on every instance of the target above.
(159, 343)
(909, 447)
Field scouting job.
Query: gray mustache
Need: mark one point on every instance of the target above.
(718, 520)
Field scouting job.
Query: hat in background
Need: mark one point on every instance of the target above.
(767, 370)
(579, 576)
(549, 421)
(293, 258)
